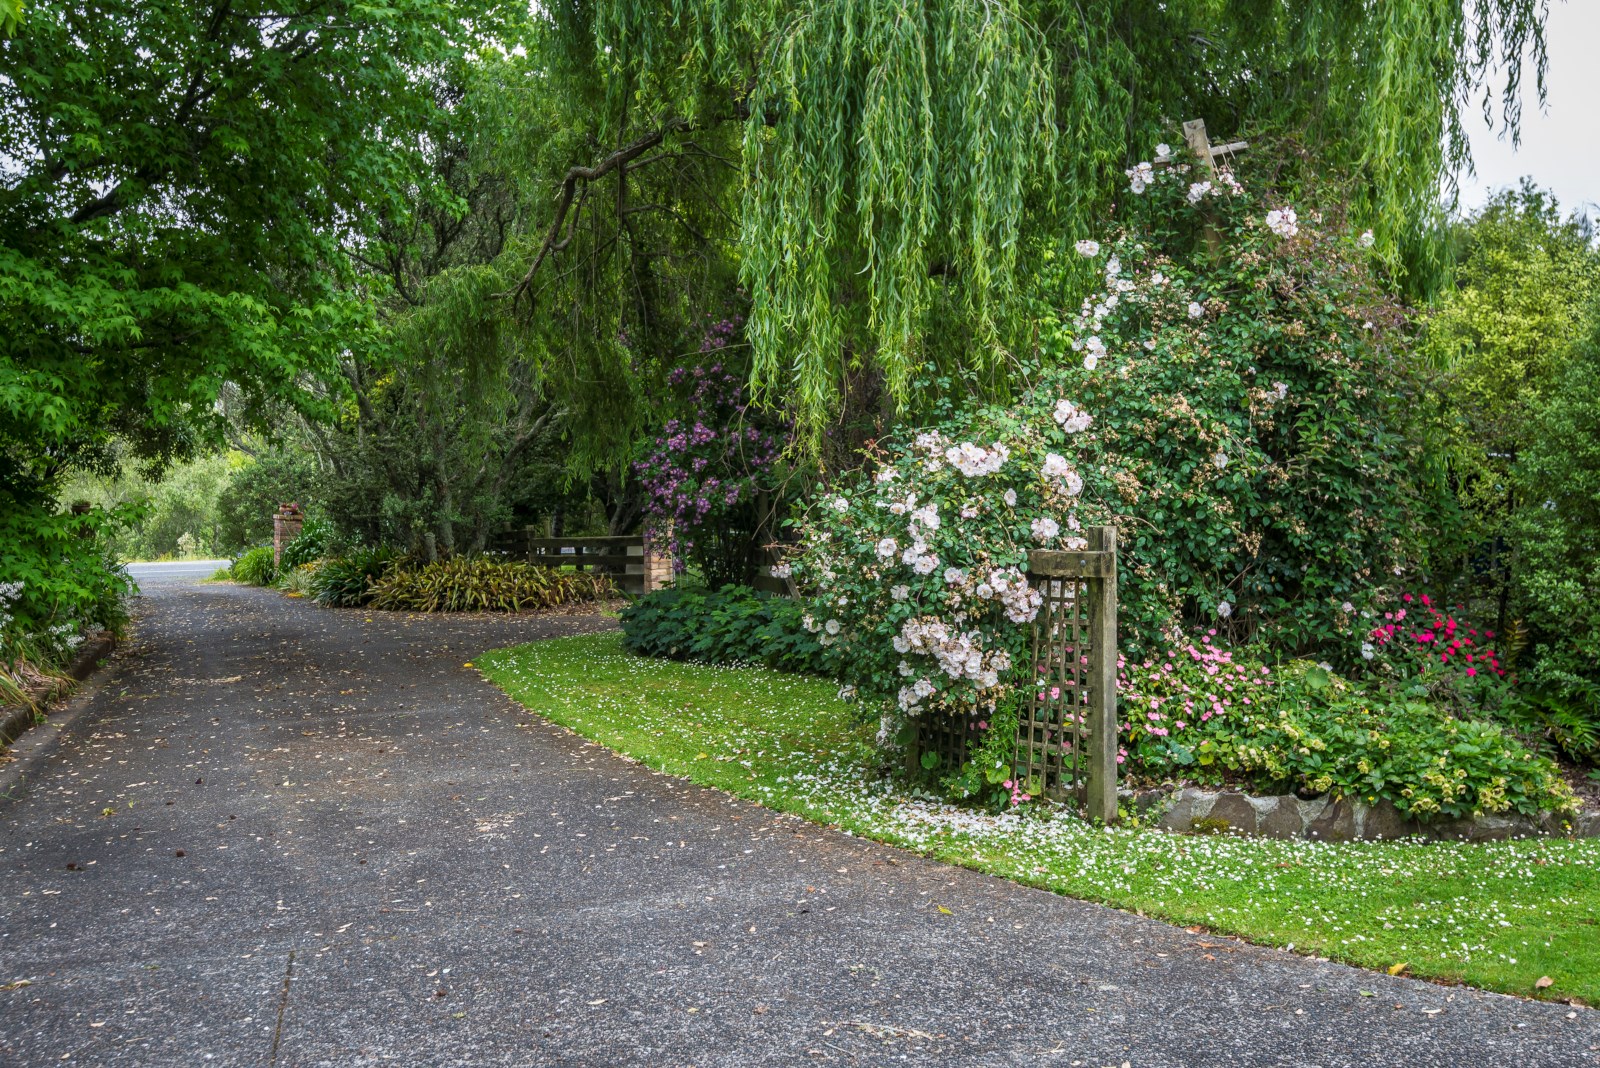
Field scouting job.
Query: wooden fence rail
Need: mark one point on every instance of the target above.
(635, 562)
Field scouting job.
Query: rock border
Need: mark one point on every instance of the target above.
(16, 719)
(1191, 809)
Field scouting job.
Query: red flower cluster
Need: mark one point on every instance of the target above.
(1438, 633)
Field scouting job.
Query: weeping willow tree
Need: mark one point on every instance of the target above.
(899, 160)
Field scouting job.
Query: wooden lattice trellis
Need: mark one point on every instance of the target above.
(1067, 734)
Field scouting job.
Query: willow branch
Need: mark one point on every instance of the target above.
(561, 228)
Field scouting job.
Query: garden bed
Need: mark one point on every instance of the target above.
(16, 718)
(1498, 915)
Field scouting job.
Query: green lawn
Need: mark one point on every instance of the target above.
(1497, 916)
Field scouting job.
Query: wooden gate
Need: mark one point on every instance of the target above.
(1067, 738)
(1067, 730)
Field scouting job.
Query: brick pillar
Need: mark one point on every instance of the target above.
(286, 524)
(657, 557)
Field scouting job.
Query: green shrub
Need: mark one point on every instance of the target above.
(310, 544)
(346, 581)
(733, 625)
(1555, 535)
(255, 567)
(484, 584)
(299, 581)
(1253, 427)
(58, 583)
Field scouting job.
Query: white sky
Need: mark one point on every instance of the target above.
(1561, 146)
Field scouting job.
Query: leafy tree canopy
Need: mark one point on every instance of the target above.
(179, 184)
(895, 160)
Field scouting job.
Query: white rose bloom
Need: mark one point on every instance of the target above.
(831, 626)
(1198, 190)
(1283, 222)
(1196, 310)
(1088, 248)
(1347, 608)
(886, 474)
(1010, 497)
(1074, 483)
(900, 644)
(1367, 651)
(1114, 266)
(905, 669)
(1150, 345)
(841, 505)
(1045, 529)
(1220, 459)
(1055, 465)
(1224, 609)
(900, 593)
(1365, 241)
(926, 565)
(954, 576)
(985, 591)
(782, 571)
(887, 547)
(1090, 362)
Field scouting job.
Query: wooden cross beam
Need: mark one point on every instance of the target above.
(1194, 132)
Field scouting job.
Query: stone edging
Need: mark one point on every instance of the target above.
(18, 718)
(1286, 816)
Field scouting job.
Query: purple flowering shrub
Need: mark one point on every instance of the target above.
(705, 470)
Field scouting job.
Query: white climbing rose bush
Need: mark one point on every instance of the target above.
(917, 564)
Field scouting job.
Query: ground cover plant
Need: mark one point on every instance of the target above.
(484, 584)
(346, 581)
(1499, 916)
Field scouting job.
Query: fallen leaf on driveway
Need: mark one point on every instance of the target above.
(1396, 969)
(1543, 982)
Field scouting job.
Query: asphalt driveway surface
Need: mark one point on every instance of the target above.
(281, 835)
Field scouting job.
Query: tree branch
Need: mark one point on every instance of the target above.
(553, 239)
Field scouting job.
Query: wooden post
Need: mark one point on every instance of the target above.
(1194, 133)
(1103, 729)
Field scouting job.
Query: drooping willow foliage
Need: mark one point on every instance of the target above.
(902, 158)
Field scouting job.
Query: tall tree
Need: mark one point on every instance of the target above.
(179, 185)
